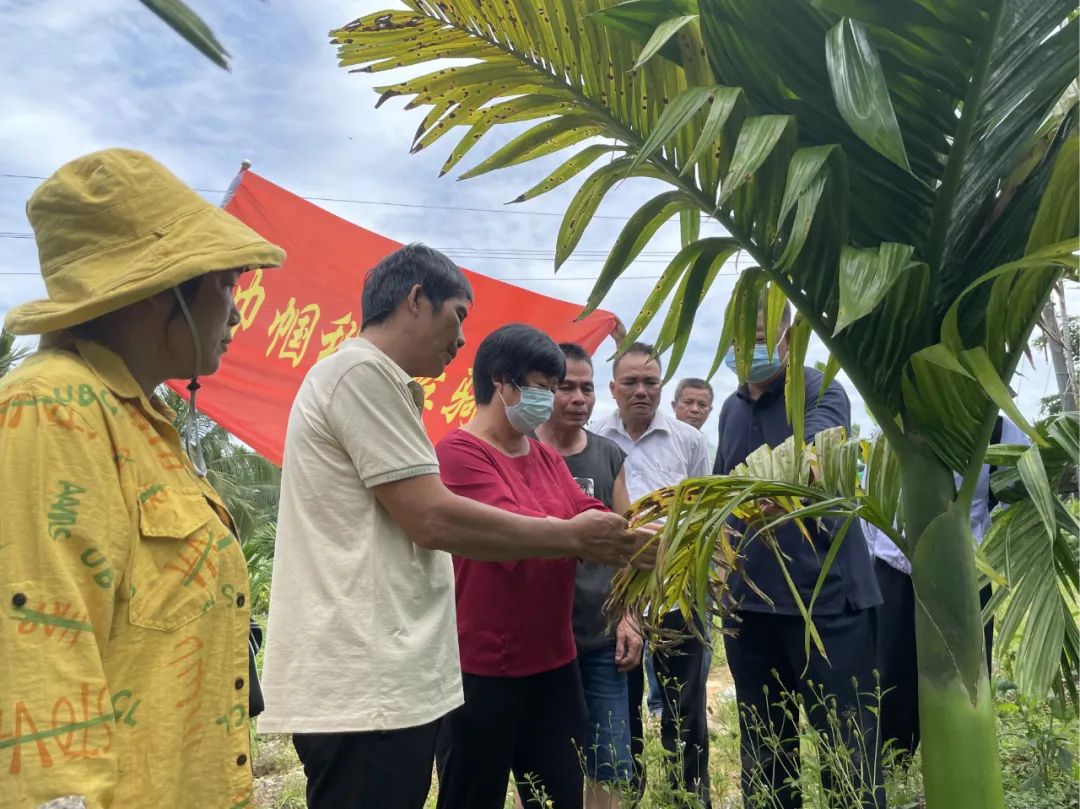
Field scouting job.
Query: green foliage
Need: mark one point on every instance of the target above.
(920, 134)
(10, 356)
(249, 485)
(259, 552)
(189, 25)
(1070, 332)
(698, 547)
(1034, 544)
(905, 173)
(1039, 745)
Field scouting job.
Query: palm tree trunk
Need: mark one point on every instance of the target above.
(1055, 344)
(956, 708)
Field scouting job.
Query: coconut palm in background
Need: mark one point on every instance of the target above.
(10, 354)
(248, 484)
(889, 169)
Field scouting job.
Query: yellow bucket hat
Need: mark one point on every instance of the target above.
(115, 227)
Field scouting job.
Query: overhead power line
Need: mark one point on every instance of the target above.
(460, 252)
(387, 203)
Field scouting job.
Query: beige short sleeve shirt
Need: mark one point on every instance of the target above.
(362, 633)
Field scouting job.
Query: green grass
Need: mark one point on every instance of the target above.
(1038, 745)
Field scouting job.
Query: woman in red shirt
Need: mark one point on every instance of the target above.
(524, 711)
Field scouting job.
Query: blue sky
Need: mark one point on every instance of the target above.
(85, 76)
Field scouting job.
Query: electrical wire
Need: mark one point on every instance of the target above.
(387, 203)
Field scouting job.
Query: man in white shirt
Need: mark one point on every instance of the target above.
(895, 618)
(663, 451)
(693, 401)
(693, 404)
(362, 657)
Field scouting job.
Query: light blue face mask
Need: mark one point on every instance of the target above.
(531, 411)
(762, 367)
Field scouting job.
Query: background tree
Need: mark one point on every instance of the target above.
(885, 167)
(10, 354)
(1060, 339)
(250, 487)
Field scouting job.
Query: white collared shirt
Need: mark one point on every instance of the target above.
(885, 549)
(666, 454)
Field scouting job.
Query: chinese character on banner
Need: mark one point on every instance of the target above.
(249, 300)
(346, 328)
(429, 383)
(294, 328)
(462, 404)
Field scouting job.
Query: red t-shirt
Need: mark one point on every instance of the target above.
(514, 618)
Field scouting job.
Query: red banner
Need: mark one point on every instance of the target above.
(294, 316)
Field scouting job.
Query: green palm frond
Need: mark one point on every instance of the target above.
(259, 552)
(248, 483)
(1031, 551)
(859, 156)
(1034, 544)
(10, 356)
(904, 173)
(699, 547)
(189, 25)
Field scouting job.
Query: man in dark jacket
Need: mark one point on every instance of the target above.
(767, 655)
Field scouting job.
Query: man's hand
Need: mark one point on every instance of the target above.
(604, 537)
(628, 644)
(644, 556)
(618, 332)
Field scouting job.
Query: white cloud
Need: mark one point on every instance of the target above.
(80, 77)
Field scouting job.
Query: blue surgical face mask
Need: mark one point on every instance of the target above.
(762, 367)
(532, 410)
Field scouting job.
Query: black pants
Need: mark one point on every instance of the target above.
(377, 770)
(988, 630)
(767, 659)
(684, 722)
(897, 661)
(897, 666)
(531, 726)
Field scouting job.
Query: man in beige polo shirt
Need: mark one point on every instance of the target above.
(362, 657)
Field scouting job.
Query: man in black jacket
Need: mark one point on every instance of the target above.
(767, 655)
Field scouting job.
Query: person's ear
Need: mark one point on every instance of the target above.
(412, 301)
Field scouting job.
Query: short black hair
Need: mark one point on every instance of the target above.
(514, 351)
(696, 384)
(572, 351)
(389, 282)
(637, 348)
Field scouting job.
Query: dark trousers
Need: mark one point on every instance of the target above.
(684, 723)
(533, 727)
(898, 669)
(897, 661)
(375, 770)
(767, 660)
(988, 629)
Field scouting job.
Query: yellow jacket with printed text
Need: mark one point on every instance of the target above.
(125, 659)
